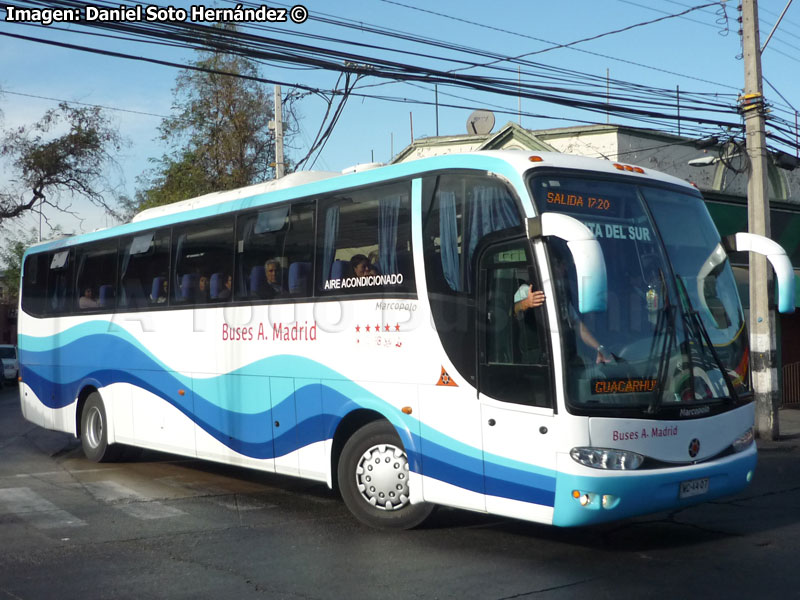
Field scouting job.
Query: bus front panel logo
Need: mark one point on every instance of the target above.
(694, 447)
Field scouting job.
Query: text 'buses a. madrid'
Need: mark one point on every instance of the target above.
(547, 337)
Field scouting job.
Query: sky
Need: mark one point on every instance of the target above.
(697, 52)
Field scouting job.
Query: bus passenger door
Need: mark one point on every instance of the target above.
(515, 390)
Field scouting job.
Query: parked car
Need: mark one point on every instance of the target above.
(8, 356)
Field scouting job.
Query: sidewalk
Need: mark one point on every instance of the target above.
(789, 427)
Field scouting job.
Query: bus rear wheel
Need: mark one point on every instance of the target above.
(373, 479)
(94, 431)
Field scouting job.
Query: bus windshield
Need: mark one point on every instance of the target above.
(672, 340)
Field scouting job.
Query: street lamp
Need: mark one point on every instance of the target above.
(705, 161)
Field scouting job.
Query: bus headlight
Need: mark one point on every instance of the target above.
(743, 441)
(606, 458)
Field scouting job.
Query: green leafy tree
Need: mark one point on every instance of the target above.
(11, 251)
(46, 168)
(219, 131)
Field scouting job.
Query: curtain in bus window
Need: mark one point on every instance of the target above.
(448, 235)
(60, 281)
(492, 209)
(331, 233)
(180, 293)
(132, 294)
(126, 259)
(387, 233)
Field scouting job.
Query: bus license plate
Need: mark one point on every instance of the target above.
(694, 487)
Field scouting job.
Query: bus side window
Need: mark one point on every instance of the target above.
(364, 245)
(60, 282)
(97, 268)
(459, 211)
(462, 210)
(143, 261)
(34, 284)
(274, 252)
(200, 249)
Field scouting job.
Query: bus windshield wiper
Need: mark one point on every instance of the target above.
(665, 320)
(701, 332)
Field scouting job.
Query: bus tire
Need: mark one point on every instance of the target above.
(373, 479)
(94, 431)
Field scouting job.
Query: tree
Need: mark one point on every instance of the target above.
(219, 129)
(46, 167)
(14, 246)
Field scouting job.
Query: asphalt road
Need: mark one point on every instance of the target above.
(161, 526)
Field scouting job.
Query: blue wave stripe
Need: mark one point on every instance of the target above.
(57, 367)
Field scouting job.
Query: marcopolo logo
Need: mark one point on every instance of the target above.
(694, 447)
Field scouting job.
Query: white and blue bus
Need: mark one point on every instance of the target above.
(379, 331)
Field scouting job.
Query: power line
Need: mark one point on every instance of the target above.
(283, 52)
(104, 107)
(616, 31)
(550, 42)
(401, 71)
(350, 56)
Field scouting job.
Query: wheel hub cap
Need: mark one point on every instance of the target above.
(382, 477)
(94, 428)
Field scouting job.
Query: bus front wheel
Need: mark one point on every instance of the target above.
(373, 479)
(94, 431)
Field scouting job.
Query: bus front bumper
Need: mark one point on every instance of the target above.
(583, 499)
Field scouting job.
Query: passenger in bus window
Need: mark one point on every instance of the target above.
(202, 290)
(87, 300)
(273, 287)
(161, 296)
(360, 265)
(225, 292)
(373, 258)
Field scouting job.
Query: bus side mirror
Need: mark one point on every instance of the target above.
(741, 242)
(590, 265)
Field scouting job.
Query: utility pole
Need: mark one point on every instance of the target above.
(762, 321)
(277, 124)
(436, 99)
